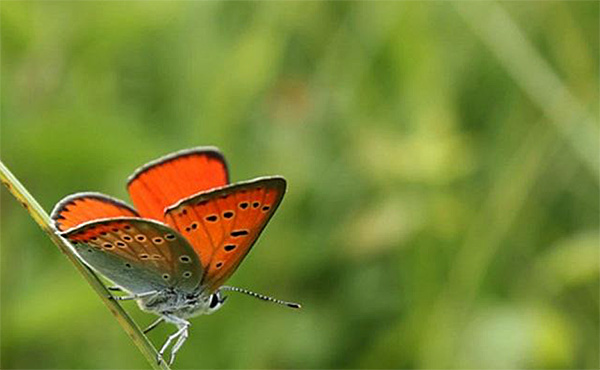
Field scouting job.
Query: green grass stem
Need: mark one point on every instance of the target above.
(43, 220)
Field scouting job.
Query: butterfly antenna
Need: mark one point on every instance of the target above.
(260, 296)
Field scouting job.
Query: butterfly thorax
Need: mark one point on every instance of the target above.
(181, 304)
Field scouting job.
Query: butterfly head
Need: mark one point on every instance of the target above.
(194, 305)
(216, 301)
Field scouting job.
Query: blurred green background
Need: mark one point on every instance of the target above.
(442, 160)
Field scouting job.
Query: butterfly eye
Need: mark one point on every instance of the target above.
(212, 218)
(229, 247)
(228, 214)
(214, 301)
(244, 205)
(140, 238)
(170, 237)
(187, 274)
(144, 256)
(219, 264)
(166, 276)
(255, 205)
(107, 245)
(266, 208)
(158, 240)
(127, 238)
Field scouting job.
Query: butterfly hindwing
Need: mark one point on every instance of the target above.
(223, 224)
(165, 181)
(136, 254)
(80, 208)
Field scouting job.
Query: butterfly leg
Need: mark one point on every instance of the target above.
(153, 325)
(182, 338)
(133, 296)
(182, 326)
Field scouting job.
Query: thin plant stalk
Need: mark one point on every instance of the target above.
(43, 220)
(494, 25)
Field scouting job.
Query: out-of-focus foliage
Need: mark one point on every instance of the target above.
(441, 157)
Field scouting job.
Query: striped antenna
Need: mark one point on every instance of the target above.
(260, 296)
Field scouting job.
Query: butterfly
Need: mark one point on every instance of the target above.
(189, 231)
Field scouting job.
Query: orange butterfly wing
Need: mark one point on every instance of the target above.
(80, 208)
(165, 181)
(223, 224)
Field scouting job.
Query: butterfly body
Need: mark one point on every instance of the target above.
(189, 232)
(184, 305)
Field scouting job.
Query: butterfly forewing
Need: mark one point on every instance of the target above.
(223, 224)
(136, 254)
(165, 181)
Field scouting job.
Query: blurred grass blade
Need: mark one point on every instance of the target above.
(44, 221)
(513, 185)
(536, 77)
